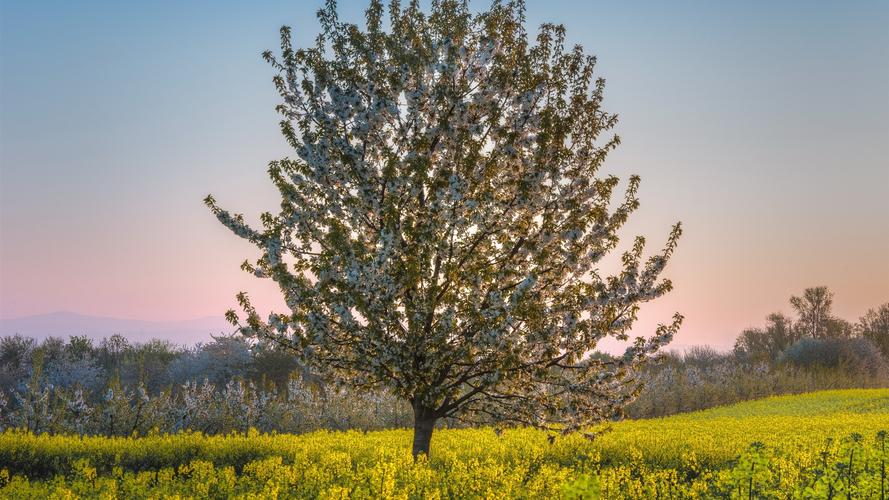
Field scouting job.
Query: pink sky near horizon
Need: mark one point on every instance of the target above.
(719, 293)
(763, 128)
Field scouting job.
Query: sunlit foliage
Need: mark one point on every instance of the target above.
(443, 219)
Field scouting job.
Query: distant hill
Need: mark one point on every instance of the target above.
(65, 324)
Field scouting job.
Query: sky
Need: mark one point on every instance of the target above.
(762, 125)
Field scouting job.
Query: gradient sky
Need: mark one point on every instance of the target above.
(763, 126)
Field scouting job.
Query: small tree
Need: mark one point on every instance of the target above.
(874, 325)
(814, 310)
(442, 222)
(767, 344)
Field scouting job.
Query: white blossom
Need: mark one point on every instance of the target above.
(443, 219)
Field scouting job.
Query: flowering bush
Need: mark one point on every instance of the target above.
(236, 407)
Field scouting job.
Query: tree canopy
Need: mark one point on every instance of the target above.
(443, 220)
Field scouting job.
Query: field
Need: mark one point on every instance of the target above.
(816, 445)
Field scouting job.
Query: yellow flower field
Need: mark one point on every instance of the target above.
(814, 445)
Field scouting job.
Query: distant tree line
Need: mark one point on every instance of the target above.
(815, 323)
(810, 350)
(231, 384)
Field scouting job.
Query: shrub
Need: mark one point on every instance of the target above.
(856, 354)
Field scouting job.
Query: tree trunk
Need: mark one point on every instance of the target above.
(424, 424)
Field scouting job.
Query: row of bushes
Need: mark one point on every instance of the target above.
(703, 378)
(117, 388)
(236, 407)
(699, 379)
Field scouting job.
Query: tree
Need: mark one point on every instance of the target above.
(874, 325)
(838, 328)
(441, 225)
(16, 353)
(272, 364)
(813, 309)
(766, 344)
(780, 329)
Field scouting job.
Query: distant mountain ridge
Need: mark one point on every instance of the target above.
(64, 324)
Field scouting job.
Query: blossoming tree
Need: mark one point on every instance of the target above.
(442, 222)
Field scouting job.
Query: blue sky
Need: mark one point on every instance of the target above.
(763, 126)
